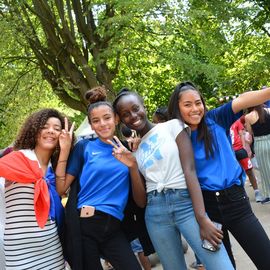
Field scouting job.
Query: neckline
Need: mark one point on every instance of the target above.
(103, 144)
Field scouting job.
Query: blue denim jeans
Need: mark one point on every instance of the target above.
(170, 214)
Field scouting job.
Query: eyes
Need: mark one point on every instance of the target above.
(134, 109)
(97, 120)
(55, 128)
(189, 104)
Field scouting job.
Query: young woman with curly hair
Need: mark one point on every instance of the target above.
(33, 207)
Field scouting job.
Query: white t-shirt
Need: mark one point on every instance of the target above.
(158, 157)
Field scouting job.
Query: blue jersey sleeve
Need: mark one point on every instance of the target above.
(76, 158)
(224, 115)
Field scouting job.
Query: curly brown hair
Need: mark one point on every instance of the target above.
(27, 137)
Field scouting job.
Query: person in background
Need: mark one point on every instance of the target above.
(103, 168)
(137, 249)
(220, 175)
(258, 124)
(165, 159)
(266, 103)
(6, 150)
(197, 264)
(33, 207)
(240, 146)
(160, 115)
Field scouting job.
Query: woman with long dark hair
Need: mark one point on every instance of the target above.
(219, 173)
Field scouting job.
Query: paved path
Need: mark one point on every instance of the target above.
(242, 260)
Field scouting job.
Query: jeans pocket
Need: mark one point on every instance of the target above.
(184, 194)
(237, 194)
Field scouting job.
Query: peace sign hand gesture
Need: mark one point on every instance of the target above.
(121, 153)
(134, 141)
(65, 138)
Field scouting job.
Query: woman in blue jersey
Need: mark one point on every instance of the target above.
(220, 175)
(165, 159)
(103, 167)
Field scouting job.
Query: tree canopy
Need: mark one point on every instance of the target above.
(53, 51)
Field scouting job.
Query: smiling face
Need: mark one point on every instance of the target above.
(48, 136)
(191, 108)
(103, 122)
(132, 113)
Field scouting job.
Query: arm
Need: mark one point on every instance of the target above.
(242, 137)
(138, 187)
(63, 183)
(249, 120)
(250, 99)
(63, 180)
(207, 229)
(137, 182)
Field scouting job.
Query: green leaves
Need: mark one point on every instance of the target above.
(52, 52)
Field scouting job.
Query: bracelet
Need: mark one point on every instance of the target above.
(61, 178)
(59, 161)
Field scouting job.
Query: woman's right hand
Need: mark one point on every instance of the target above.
(210, 232)
(66, 136)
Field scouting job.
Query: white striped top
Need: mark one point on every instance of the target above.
(2, 222)
(26, 245)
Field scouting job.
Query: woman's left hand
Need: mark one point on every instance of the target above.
(209, 232)
(65, 138)
(121, 153)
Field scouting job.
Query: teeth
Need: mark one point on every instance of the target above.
(49, 139)
(136, 123)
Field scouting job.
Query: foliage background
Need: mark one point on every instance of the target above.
(149, 46)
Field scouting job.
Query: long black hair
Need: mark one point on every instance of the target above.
(260, 109)
(204, 133)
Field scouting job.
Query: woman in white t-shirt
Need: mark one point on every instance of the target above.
(174, 199)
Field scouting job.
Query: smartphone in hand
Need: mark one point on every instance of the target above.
(207, 245)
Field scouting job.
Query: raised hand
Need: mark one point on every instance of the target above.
(121, 153)
(134, 141)
(65, 138)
